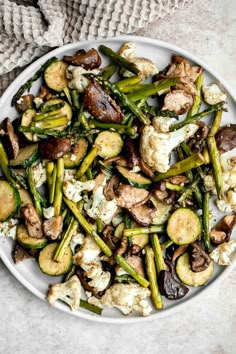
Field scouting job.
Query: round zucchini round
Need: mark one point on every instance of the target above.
(51, 267)
(55, 76)
(110, 144)
(66, 110)
(26, 156)
(187, 276)
(184, 226)
(10, 199)
(26, 120)
(27, 241)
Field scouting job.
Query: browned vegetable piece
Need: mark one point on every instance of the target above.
(162, 194)
(54, 148)
(222, 231)
(88, 61)
(136, 262)
(101, 105)
(170, 287)
(180, 250)
(24, 102)
(109, 238)
(179, 180)
(123, 246)
(110, 187)
(33, 222)
(142, 214)
(10, 139)
(84, 282)
(226, 138)
(181, 67)
(146, 169)
(44, 93)
(197, 142)
(131, 152)
(119, 160)
(20, 254)
(134, 249)
(53, 227)
(128, 196)
(199, 260)
(178, 101)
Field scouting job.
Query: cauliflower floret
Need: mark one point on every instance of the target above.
(213, 95)
(100, 283)
(77, 239)
(127, 298)
(69, 174)
(48, 213)
(221, 254)
(77, 79)
(155, 148)
(228, 160)
(8, 228)
(146, 66)
(73, 189)
(224, 206)
(69, 292)
(162, 124)
(39, 175)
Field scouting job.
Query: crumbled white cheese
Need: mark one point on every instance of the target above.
(48, 213)
(73, 189)
(39, 175)
(77, 79)
(222, 253)
(8, 228)
(20, 100)
(213, 95)
(73, 157)
(135, 169)
(38, 102)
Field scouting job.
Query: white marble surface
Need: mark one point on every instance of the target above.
(208, 325)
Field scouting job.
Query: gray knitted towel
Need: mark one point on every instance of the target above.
(29, 28)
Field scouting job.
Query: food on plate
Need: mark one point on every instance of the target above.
(108, 174)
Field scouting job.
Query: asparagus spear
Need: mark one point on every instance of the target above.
(119, 60)
(181, 167)
(130, 81)
(54, 122)
(87, 227)
(49, 132)
(33, 191)
(154, 88)
(99, 225)
(73, 225)
(206, 222)
(193, 187)
(87, 161)
(4, 164)
(189, 174)
(159, 259)
(27, 85)
(143, 230)
(49, 170)
(152, 277)
(132, 271)
(166, 244)
(75, 99)
(120, 128)
(198, 98)
(217, 169)
(197, 117)
(52, 107)
(92, 308)
(216, 124)
(122, 97)
(108, 71)
(85, 125)
(17, 178)
(45, 115)
(174, 187)
(58, 187)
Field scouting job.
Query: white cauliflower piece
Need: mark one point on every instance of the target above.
(48, 213)
(8, 228)
(224, 206)
(100, 283)
(127, 298)
(39, 175)
(73, 189)
(77, 239)
(38, 102)
(155, 148)
(77, 79)
(162, 124)
(69, 292)
(69, 174)
(228, 160)
(146, 66)
(222, 253)
(98, 206)
(213, 95)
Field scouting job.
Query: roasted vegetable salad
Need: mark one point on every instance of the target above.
(108, 173)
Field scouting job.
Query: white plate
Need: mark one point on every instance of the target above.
(27, 272)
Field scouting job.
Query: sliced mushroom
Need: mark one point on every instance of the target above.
(128, 196)
(142, 214)
(24, 102)
(134, 250)
(131, 152)
(178, 101)
(44, 93)
(89, 61)
(137, 263)
(110, 187)
(199, 259)
(109, 238)
(146, 169)
(226, 138)
(179, 180)
(119, 160)
(222, 231)
(101, 105)
(123, 246)
(181, 67)
(10, 139)
(197, 142)
(33, 222)
(54, 148)
(170, 287)
(162, 194)
(20, 254)
(178, 252)
(53, 227)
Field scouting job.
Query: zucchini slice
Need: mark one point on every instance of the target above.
(142, 239)
(133, 178)
(51, 267)
(73, 158)
(187, 276)
(55, 76)
(66, 110)
(26, 120)
(10, 200)
(184, 226)
(27, 241)
(110, 144)
(25, 199)
(27, 155)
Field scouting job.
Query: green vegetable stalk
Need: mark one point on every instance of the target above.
(143, 230)
(73, 225)
(108, 71)
(206, 222)
(33, 191)
(4, 164)
(152, 277)
(159, 259)
(88, 160)
(119, 128)
(58, 187)
(198, 98)
(216, 164)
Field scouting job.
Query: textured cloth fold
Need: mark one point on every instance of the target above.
(30, 28)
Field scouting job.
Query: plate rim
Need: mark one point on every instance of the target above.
(32, 67)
